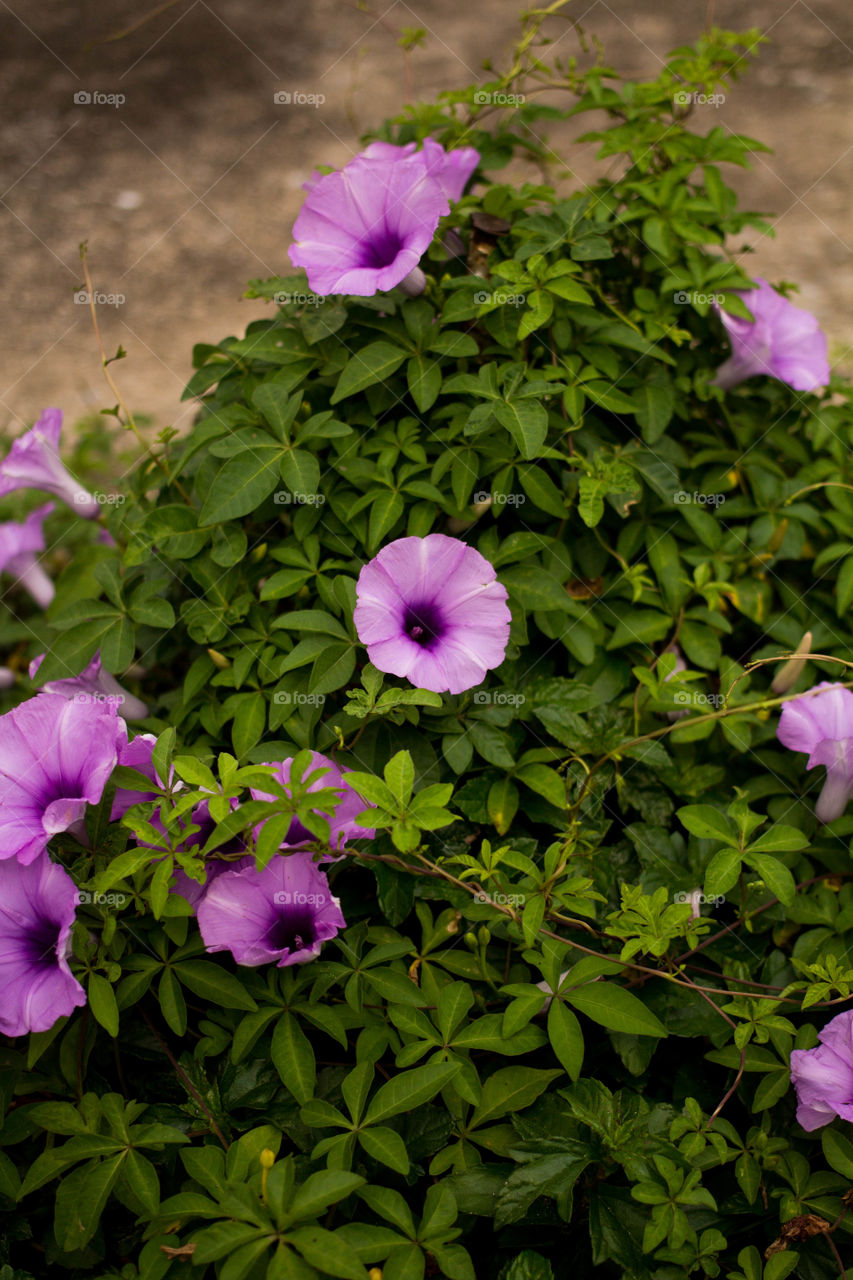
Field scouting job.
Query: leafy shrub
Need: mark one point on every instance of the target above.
(490, 1055)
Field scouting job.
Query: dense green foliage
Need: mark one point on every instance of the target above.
(429, 1108)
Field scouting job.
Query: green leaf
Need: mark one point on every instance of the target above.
(241, 484)
(408, 1090)
(386, 1146)
(775, 875)
(615, 1008)
(102, 1002)
(293, 1058)
(722, 872)
(708, 823)
(81, 1199)
(374, 363)
(838, 1152)
(566, 1037)
(214, 983)
(508, 1091)
(527, 423)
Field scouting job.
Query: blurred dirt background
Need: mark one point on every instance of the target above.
(189, 187)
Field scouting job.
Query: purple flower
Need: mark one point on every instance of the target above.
(94, 682)
(431, 609)
(823, 1076)
(363, 229)
(34, 463)
(135, 754)
(19, 544)
(782, 341)
(56, 757)
(821, 724)
(37, 905)
(280, 915)
(450, 169)
(342, 825)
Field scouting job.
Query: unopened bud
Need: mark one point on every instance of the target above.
(219, 660)
(470, 941)
(482, 506)
(786, 677)
(484, 936)
(267, 1158)
(375, 1273)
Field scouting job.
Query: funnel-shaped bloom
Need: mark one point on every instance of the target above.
(37, 905)
(821, 724)
(95, 683)
(450, 169)
(56, 757)
(363, 229)
(782, 341)
(342, 824)
(19, 546)
(281, 915)
(823, 1076)
(34, 463)
(431, 609)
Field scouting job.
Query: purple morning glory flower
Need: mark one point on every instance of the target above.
(281, 915)
(450, 169)
(431, 609)
(19, 545)
(94, 682)
(782, 341)
(56, 757)
(820, 723)
(135, 754)
(37, 905)
(342, 825)
(823, 1076)
(364, 229)
(34, 463)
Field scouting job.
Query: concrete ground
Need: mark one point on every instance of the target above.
(188, 186)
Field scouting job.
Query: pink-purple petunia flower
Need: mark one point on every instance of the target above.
(95, 683)
(342, 824)
(820, 723)
(364, 228)
(431, 610)
(19, 547)
(781, 341)
(56, 757)
(34, 463)
(281, 915)
(37, 906)
(823, 1076)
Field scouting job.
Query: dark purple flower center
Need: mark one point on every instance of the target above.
(292, 931)
(424, 624)
(38, 948)
(381, 249)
